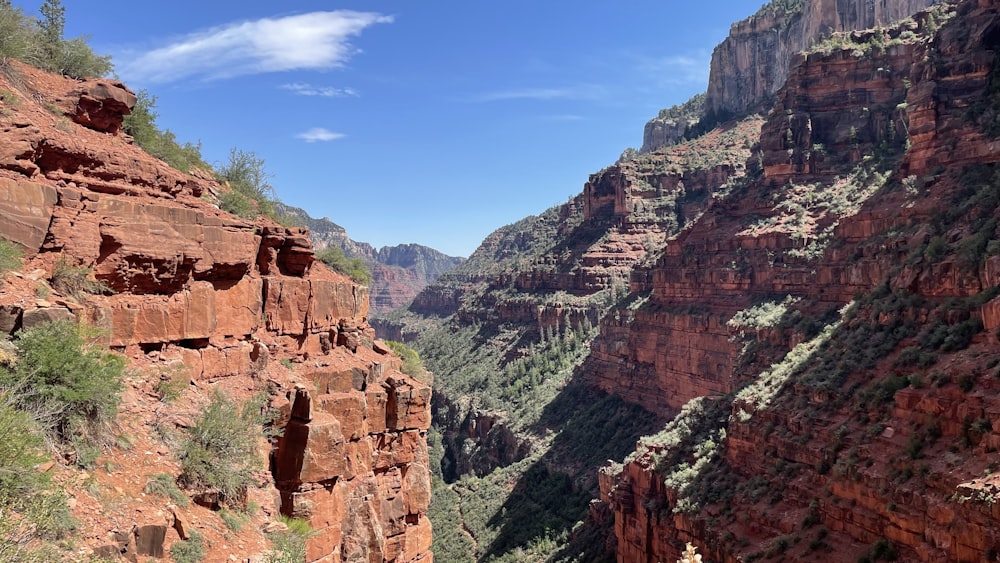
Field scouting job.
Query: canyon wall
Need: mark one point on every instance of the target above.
(182, 288)
(837, 311)
(753, 62)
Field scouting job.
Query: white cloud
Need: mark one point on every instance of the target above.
(316, 40)
(677, 69)
(585, 92)
(319, 134)
(323, 91)
(563, 117)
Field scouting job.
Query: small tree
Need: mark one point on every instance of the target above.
(73, 57)
(248, 180)
(51, 29)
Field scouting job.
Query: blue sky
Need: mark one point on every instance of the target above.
(432, 122)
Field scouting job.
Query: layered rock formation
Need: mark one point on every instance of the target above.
(398, 272)
(181, 287)
(833, 432)
(750, 65)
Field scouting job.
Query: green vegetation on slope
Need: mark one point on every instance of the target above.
(353, 268)
(141, 125)
(58, 392)
(40, 42)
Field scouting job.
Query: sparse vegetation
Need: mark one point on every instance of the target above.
(10, 256)
(76, 281)
(163, 144)
(412, 364)
(164, 484)
(250, 192)
(69, 384)
(220, 452)
(191, 550)
(353, 268)
(40, 42)
(290, 545)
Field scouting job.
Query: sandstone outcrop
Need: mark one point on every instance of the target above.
(213, 301)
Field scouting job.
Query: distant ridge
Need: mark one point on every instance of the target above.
(398, 272)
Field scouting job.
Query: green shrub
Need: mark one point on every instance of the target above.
(141, 125)
(220, 452)
(290, 545)
(245, 174)
(191, 550)
(26, 491)
(69, 384)
(163, 484)
(232, 520)
(353, 268)
(10, 256)
(76, 281)
(412, 364)
(238, 204)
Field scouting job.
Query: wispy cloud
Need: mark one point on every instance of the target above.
(323, 91)
(319, 134)
(585, 92)
(316, 40)
(563, 117)
(677, 69)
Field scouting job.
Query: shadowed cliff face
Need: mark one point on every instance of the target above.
(838, 311)
(206, 301)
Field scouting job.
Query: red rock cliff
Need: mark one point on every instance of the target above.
(198, 292)
(832, 434)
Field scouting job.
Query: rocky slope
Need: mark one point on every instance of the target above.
(196, 297)
(838, 312)
(398, 272)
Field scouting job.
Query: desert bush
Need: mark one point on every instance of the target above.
(245, 174)
(353, 268)
(220, 452)
(69, 384)
(412, 364)
(76, 281)
(163, 484)
(191, 550)
(25, 491)
(10, 256)
(290, 545)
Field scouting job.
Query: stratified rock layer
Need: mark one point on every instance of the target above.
(754, 61)
(177, 282)
(847, 432)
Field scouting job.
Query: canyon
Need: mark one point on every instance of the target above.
(771, 334)
(800, 300)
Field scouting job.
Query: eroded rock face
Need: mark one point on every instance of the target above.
(808, 453)
(750, 65)
(215, 298)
